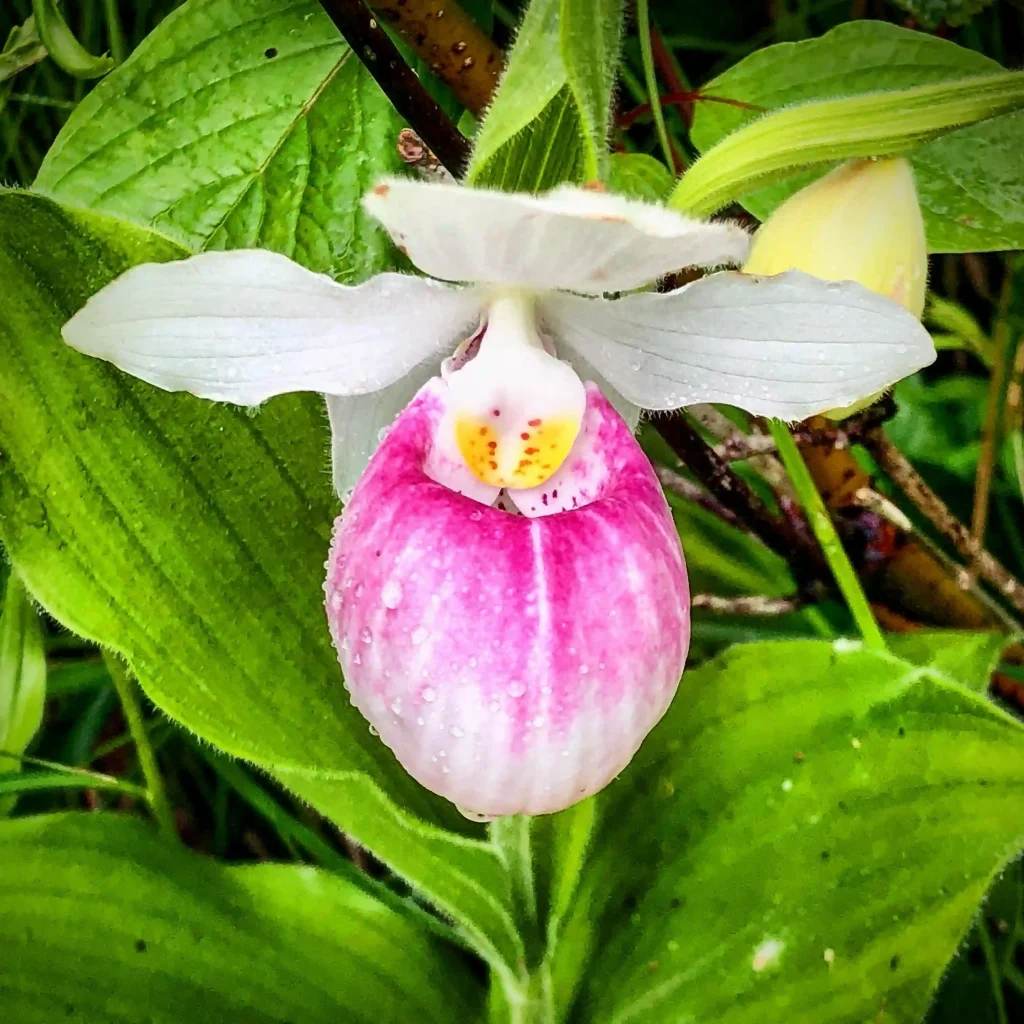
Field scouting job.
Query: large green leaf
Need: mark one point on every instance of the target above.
(962, 213)
(532, 137)
(101, 921)
(236, 123)
(810, 830)
(191, 537)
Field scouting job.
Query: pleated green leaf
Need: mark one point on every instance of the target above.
(809, 831)
(102, 922)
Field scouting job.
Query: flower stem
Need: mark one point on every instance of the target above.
(156, 795)
(511, 836)
(824, 530)
(643, 28)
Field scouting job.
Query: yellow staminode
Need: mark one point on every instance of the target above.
(515, 459)
(515, 408)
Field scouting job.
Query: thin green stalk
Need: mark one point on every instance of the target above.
(643, 27)
(115, 32)
(156, 795)
(994, 973)
(825, 531)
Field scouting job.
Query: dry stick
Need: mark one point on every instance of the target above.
(451, 42)
(371, 45)
(932, 506)
(753, 605)
(841, 434)
(732, 492)
(679, 484)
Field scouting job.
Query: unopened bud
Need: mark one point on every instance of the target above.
(861, 222)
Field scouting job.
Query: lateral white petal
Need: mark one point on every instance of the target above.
(571, 238)
(787, 346)
(242, 326)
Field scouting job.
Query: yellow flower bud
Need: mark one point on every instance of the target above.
(861, 222)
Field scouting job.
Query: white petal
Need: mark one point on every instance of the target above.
(245, 325)
(359, 422)
(572, 238)
(787, 346)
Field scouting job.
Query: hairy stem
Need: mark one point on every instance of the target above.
(643, 27)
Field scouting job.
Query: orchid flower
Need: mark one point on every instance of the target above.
(505, 587)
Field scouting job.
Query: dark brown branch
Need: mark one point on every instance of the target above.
(732, 492)
(371, 45)
(451, 42)
(902, 473)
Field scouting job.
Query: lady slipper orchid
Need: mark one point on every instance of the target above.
(505, 587)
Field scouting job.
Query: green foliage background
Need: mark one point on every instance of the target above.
(807, 835)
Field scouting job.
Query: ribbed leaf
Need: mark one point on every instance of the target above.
(236, 123)
(101, 922)
(532, 137)
(810, 830)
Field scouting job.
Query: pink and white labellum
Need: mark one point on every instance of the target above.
(513, 663)
(506, 589)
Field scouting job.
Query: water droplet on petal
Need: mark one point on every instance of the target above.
(373, 731)
(396, 705)
(391, 594)
(419, 635)
(359, 590)
(365, 635)
(476, 515)
(457, 732)
(428, 694)
(516, 689)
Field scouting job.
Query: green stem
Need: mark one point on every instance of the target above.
(643, 28)
(156, 796)
(825, 531)
(994, 973)
(511, 836)
(529, 996)
(115, 32)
